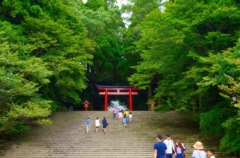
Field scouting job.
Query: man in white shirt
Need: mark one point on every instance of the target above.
(170, 146)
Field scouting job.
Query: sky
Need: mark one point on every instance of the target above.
(120, 2)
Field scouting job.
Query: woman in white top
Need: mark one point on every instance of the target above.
(179, 149)
(97, 124)
(120, 115)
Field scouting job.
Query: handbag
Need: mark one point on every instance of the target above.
(173, 151)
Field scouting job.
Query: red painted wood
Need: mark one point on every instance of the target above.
(116, 93)
(130, 99)
(106, 100)
(117, 89)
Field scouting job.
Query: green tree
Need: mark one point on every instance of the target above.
(59, 38)
(105, 28)
(173, 44)
(20, 81)
(43, 56)
(223, 72)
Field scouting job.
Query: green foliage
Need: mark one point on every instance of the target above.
(20, 79)
(232, 132)
(43, 52)
(96, 4)
(105, 27)
(187, 54)
(61, 108)
(211, 121)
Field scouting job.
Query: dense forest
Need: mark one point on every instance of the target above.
(184, 55)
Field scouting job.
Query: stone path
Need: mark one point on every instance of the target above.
(66, 137)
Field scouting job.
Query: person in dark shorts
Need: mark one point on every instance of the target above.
(97, 124)
(159, 148)
(114, 111)
(105, 124)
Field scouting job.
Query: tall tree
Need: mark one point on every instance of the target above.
(171, 44)
(137, 11)
(105, 28)
(21, 78)
(43, 53)
(60, 39)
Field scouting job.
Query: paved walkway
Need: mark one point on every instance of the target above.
(67, 138)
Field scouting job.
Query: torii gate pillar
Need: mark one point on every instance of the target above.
(130, 99)
(106, 100)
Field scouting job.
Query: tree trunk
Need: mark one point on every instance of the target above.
(149, 95)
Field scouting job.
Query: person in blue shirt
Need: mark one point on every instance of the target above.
(159, 148)
(105, 124)
(88, 124)
(125, 121)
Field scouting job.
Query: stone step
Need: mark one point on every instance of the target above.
(67, 138)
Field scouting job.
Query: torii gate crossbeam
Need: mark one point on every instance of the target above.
(117, 90)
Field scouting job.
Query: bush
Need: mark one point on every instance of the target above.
(211, 121)
(231, 140)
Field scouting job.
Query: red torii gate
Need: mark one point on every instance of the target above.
(117, 90)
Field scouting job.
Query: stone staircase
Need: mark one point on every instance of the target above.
(67, 138)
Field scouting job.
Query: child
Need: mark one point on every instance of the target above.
(126, 112)
(130, 117)
(210, 153)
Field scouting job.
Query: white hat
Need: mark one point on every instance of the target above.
(198, 145)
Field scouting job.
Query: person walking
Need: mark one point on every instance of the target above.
(97, 124)
(126, 112)
(180, 148)
(120, 115)
(105, 124)
(125, 121)
(114, 111)
(170, 146)
(130, 117)
(159, 148)
(88, 125)
(198, 152)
